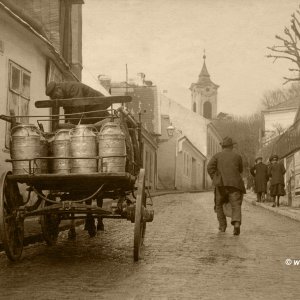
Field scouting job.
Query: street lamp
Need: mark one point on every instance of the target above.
(170, 130)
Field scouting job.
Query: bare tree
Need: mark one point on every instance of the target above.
(289, 47)
(273, 97)
(245, 131)
(279, 129)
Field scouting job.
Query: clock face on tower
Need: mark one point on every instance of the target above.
(208, 91)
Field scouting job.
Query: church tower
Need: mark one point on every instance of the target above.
(204, 94)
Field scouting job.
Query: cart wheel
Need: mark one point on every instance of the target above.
(50, 226)
(11, 226)
(139, 223)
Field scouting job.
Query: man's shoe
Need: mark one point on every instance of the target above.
(236, 229)
(222, 228)
(273, 205)
(100, 226)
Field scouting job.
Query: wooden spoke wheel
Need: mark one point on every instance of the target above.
(50, 225)
(11, 225)
(139, 223)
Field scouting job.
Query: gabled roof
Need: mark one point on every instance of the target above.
(33, 27)
(290, 103)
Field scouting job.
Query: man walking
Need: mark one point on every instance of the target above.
(276, 174)
(225, 169)
(260, 173)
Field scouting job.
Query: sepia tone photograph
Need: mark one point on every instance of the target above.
(150, 149)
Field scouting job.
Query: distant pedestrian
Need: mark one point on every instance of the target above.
(260, 173)
(276, 174)
(225, 169)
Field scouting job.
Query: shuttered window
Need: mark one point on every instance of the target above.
(18, 95)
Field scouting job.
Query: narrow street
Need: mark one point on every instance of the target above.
(184, 258)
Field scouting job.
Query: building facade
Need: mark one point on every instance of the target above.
(286, 144)
(181, 165)
(143, 107)
(277, 119)
(30, 56)
(144, 100)
(198, 133)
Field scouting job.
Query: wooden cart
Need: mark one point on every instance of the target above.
(74, 196)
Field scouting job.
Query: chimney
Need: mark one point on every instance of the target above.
(105, 81)
(140, 79)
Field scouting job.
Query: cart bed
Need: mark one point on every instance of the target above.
(64, 182)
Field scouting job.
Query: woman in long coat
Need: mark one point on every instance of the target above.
(261, 177)
(276, 174)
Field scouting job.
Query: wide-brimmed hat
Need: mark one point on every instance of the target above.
(227, 141)
(258, 158)
(273, 157)
(50, 87)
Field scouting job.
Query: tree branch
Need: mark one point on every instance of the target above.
(290, 79)
(281, 56)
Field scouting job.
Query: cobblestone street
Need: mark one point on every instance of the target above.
(184, 258)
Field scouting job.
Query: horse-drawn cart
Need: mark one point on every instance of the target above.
(74, 174)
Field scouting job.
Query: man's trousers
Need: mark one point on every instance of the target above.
(235, 197)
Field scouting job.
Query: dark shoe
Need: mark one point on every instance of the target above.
(222, 228)
(236, 229)
(72, 234)
(100, 225)
(273, 205)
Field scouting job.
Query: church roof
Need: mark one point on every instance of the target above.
(204, 72)
(204, 77)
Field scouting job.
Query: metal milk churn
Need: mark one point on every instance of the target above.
(44, 150)
(25, 144)
(83, 144)
(111, 147)
(61, 148)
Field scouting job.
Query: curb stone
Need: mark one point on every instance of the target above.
(283, 210)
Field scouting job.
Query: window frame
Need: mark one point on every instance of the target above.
(21, 94)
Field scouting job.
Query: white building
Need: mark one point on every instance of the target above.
(32, 53)
(277, 119)
(197, 130)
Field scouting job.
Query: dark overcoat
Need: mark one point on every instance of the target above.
(225, 169)
(73, 89)
(261, 177)
(276, 173)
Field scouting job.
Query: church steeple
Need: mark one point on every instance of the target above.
(204, 94)
(204, 72)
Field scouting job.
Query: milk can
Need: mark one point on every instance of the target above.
(83, 144)
(61, 148)
(44, 150)
(111, 147)
(25, 144)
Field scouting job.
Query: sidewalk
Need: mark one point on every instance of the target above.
(290, 212)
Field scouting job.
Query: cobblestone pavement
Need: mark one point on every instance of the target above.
(184, 258)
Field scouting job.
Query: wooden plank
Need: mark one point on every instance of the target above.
(101, 101)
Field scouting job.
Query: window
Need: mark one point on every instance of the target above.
(187, 160)
(18, 95)
(194, 107)
(207, 110)
(151, 167)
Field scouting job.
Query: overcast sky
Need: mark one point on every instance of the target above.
(165, 40)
